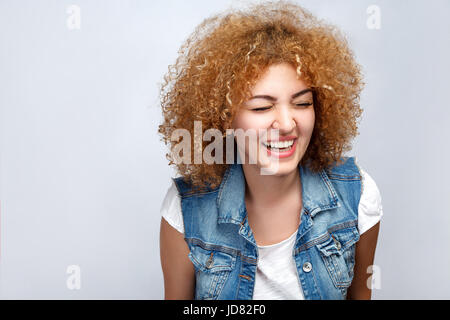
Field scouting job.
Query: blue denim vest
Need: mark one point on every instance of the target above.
(223, 249)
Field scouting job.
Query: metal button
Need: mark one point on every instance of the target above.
(307, 267)
(338, 244)
(210, 261)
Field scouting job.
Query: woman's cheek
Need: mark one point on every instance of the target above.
(307, 122)
(248, 121)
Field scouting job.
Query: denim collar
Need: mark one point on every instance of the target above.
(317, 193)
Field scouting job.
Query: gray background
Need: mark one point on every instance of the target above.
(83, 173)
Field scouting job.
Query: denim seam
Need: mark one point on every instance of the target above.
(207, 246)
(342, 225)
(303, 283)
(360, 177)
(342, 179)
(213, 286)
(332, 271)
(329, 269)
(333, 268)
(196, 194)
(224, 181)
(314, 277)
(223, 277)
(325, 236)
(330, 188)
(311, 243)
(330, 173)
(228, 220)
(248, 259)
(239, 282)
(191, 193)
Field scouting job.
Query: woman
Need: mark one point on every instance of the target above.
(309, 229)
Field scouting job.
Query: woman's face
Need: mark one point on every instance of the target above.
(279, 101)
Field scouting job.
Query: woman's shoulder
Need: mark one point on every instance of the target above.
(171, 208)
(346, 167)
(370, 191)
(370, 207)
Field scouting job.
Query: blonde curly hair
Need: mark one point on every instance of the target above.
(227, 54)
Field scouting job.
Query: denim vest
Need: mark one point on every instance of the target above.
(223, 249)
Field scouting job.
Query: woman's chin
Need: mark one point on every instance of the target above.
(277, 167)
(272, 164)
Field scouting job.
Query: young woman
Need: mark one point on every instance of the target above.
(307, 231)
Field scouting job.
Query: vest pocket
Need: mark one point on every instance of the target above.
(212, 268)
(338, 255)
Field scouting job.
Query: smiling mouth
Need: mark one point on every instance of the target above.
(280, 146)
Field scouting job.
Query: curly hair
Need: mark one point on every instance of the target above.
(227, 54)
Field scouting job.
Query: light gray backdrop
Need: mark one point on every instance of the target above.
(83, 173)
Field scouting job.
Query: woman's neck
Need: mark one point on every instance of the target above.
(268, 190)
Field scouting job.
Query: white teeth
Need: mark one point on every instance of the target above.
(280, 144)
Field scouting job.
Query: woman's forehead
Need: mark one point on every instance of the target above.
(278, 78)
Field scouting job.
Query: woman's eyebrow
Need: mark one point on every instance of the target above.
(270, 98)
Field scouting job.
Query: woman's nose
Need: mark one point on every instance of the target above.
(284, 121)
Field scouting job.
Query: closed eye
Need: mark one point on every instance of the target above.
(261, 109)
(306, 104)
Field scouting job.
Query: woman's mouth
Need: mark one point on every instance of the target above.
(281, 149)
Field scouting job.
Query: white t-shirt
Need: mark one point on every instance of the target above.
(276, 274)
